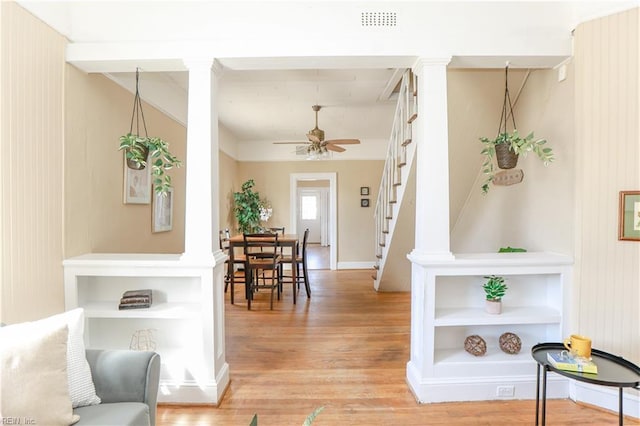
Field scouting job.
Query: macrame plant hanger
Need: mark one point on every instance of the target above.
(507, 159)
(137, 115)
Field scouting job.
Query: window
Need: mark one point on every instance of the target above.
(309, 204)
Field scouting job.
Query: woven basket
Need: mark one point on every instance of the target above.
(507, 159)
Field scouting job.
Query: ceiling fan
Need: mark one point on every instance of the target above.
(317, 144)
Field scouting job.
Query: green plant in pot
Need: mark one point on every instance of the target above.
(247, 206)
(506, 148)
(495, 288)
(141, 150)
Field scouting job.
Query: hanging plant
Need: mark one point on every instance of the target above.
(506, 147)
(142, 150)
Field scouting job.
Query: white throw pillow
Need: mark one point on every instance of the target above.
(33, 369)
(81, 388)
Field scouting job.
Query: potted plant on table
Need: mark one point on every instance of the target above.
(494, 289)
(247, 206)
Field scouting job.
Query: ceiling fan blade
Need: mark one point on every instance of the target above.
(344, 141)
(335, 148)
(291, 143)
(313, 138)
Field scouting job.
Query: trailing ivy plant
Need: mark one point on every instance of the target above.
(140, 148)
(247, 206)
(517, 144)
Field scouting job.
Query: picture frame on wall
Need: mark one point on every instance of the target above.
(364, 202)
(137, 185)
(364, 190)
(629, 220)
(162, 220)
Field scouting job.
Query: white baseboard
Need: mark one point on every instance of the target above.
(194, 392)
(355, 265)
(606, 397)
(481, 388)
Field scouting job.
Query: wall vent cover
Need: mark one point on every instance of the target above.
(378, 19)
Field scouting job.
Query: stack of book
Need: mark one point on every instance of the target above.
(135, 299)
(563, 361)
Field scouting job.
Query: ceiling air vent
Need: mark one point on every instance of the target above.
(378, 19)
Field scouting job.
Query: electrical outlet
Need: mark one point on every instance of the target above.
(505, 391)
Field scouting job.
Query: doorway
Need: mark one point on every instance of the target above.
(302, 184)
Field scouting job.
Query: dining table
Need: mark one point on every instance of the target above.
(284, 241)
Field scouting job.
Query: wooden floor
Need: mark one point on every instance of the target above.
(345, 349)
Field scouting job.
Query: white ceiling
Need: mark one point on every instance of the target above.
(281, 57)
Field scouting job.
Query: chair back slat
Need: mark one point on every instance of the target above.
(261, 246)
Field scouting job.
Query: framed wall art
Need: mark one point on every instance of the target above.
(629, 220)
(364, 190)
(162, 220)
(137, 185)
(364, 202)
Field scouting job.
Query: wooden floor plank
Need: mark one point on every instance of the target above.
(344, 349)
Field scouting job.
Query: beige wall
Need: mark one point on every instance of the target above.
(533, 214)
(228, 184)
(474, 105)
(97, 112)
(31, 176)
(607, 271)
(356, 226)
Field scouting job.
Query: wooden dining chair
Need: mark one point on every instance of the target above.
(262, 254)
(301, 263)
(230, 276)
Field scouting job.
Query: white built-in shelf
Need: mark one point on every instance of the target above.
(493, 355)
(510, 315)
(181, 317)
(450, 307)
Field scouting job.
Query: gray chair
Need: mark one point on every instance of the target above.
(127, 383)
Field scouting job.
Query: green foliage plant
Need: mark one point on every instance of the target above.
(494, 288)
(140, 149)
(247, 208)
(519, 145)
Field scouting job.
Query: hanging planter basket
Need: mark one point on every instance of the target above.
(140, 149)
(506, 158)
(135, 165)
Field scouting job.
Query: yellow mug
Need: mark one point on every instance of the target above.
(578, 346)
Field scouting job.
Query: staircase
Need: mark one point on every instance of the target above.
(395, 206)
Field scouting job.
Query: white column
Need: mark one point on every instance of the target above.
(198, 232)
(432, 166)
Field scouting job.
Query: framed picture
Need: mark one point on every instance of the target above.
(364, 190)
(364, 202)
(629, 221)
(137, 185)
(162, 211)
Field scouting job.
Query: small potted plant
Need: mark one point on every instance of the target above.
(494, 289)
(506, 148)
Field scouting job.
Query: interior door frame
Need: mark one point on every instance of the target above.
(333, 209)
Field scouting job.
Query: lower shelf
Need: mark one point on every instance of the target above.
(156, 310)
